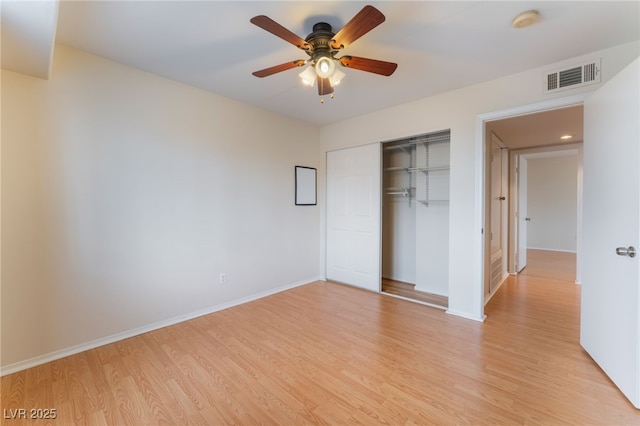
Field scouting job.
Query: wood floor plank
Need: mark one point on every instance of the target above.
(400, 288)
(557, 265)
(326, 353)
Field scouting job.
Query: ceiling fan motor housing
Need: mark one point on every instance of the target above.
(320, 41)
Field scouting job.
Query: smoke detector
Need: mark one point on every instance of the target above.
(525, 19)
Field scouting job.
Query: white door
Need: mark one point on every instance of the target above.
(610, 315)
(523, 220)
(353, 216)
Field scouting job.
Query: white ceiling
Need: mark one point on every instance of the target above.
(439, 45)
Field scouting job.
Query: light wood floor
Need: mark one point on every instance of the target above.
(326, 353)
(555, 265)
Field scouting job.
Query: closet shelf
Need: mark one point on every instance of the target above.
(405, 192)
(416, 169)
(420, 165)
(428, 169)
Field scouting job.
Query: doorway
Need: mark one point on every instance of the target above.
(541, 146)
(545, 211)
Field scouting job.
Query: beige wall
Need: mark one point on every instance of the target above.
(552, 202)
(125, 195)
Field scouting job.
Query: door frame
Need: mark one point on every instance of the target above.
(480, 163)
(514, 191)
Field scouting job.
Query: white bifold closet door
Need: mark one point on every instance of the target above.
(353, 216)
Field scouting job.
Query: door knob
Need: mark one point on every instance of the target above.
(626, 251)
(528, 219)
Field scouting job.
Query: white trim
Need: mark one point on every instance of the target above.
(533, 108)
(552, 249)
(477, 250)
(463, 315)
(549, 151)
(52, 356)
(478, 241)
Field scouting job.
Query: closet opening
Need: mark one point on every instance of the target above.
(415, 218)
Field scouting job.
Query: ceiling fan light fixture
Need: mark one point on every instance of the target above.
(325, 67)
(308, 76)
(322, 45)
(336, 77)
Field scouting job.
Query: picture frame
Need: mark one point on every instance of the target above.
(306, 186)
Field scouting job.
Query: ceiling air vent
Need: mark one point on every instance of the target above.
(576, 76)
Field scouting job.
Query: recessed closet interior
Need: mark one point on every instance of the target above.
(415, 218)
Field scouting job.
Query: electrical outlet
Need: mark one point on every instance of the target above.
(223, 278)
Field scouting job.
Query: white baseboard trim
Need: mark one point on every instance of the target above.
(52, 356)
(551, 249)
(463, 315)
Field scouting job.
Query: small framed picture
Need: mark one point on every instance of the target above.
(306, 186)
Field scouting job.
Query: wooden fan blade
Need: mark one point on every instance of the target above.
(364, 21)
(369, 65)
(324, 86)
(279, 68)
(276, 29)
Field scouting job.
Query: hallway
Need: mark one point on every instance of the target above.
(556, 265)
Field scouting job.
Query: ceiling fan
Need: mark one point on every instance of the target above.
(322, 45)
